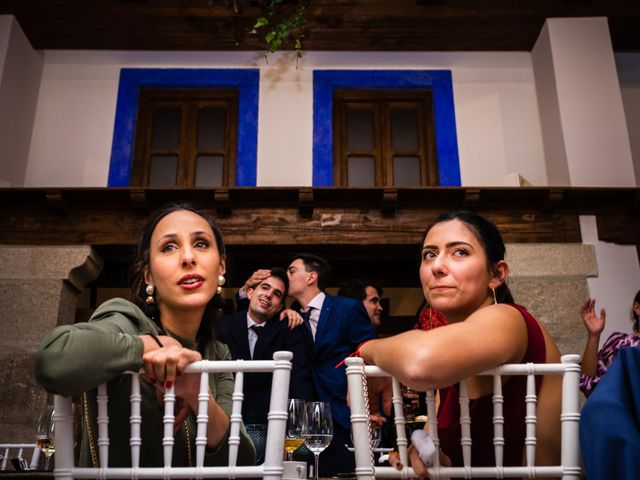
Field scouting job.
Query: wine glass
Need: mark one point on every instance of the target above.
(319, 429)
(45, 434)
(296, 426)
(376, 435)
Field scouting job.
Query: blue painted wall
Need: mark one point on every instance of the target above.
(132, 79)
(439, 81)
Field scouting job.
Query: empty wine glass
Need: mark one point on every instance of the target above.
(376, 435)
(319, 430)
(296, 426)
(45, 434)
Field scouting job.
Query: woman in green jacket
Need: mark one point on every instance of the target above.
(179, 268)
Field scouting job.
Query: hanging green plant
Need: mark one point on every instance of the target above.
(281, 20)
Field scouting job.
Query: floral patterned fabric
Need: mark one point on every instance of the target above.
(606, 355)
(429, 319)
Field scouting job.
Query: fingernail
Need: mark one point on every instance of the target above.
(168, 384)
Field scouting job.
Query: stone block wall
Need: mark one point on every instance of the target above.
(38, 291)
(551, 281)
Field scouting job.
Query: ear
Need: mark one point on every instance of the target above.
(312, 278)
(147, 276)
(250, 292)
(223, 265)
(500, 274)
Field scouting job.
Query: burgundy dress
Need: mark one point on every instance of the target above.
(481, 411)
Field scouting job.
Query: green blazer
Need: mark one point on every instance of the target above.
(73, 359)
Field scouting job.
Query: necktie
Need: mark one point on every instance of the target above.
(252, 344)
(256, 329)
(307, 323)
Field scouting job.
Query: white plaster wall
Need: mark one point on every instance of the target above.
(19, 85)
(497, 119)
(593, 121)
(617, 282)
(628, 65)
(494, 95)
(285, 124)
(548, 104)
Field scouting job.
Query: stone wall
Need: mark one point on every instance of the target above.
(38, 290)
(551, 281)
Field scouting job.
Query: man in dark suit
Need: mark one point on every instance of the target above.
(255, 334)
(335, 328)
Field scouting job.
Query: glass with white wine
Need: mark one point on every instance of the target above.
(45, 434)
(296, 426)
(319, 430)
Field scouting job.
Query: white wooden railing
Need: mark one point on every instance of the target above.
(271, 469)
(569, 468)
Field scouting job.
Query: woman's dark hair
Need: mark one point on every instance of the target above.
(634, 316)
(489, 237)
(136, 273)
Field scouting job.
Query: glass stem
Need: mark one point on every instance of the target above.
(316, 457)
(46, 461)
(289, 456)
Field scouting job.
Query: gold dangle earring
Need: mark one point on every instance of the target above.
(149, 290)
(221, 282)
(495, 300)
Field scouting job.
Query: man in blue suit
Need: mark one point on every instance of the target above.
(256, 333)
(335, 326)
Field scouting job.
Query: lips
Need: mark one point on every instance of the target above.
(191, 281)
(441, 288)
(264, 304)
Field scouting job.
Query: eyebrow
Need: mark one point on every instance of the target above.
(448, 245)
(197, 233)
(268, 285)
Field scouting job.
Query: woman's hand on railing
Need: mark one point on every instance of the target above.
(164, 364)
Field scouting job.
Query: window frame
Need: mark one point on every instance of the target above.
(441, 84)
(189, 101)
(246, 80)
(381, 103)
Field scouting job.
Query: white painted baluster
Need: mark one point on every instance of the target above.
(359, 418)
(236, 418)
(63, 419)
(570, 418)
(401, 431)
(530, 418)
(103, 425)
(465, 425)
(498, 419)
(135, 439)
(277, 417)
(168, 420)
(202, 419)
(432, 420)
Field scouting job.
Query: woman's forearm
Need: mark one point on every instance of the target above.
(218, 424)
(590, 356)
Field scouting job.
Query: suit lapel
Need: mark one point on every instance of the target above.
(323, 320)
(240, 336)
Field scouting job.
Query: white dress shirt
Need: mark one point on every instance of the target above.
(252, 336)
(315, 303)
